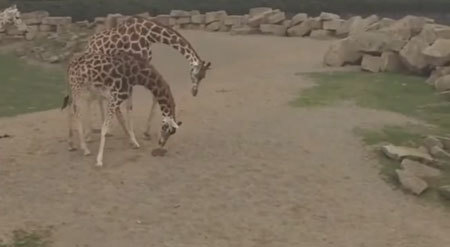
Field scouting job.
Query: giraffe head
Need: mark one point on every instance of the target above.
(12, 15)
(169, 127)
(198, 72)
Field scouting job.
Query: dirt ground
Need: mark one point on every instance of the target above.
(244, 169)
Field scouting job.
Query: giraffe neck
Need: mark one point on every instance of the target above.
(161, 91)
(159, 33)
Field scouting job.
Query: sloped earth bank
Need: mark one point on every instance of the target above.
(245, 168)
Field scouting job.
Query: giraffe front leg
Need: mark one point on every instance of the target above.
(104, 130)
(128, 131)
(102, 115)
(149, 120)
(76, 115)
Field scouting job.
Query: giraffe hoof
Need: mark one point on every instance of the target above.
(71, 149)
(135, 145)
(87, 152)
(88, 139)
(147, 136)
(99, 164)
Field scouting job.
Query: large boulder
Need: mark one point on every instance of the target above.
(419, 170)
(444, 191)
(344, 28)
(234, 20)
(371, 63)
(411, 182)
(57, 20)
(438, 54)
(215, 16)
(359, 25)
(321, 34)
(111, 20)
(375, 42)
(261, 18)
(244, 30)
(298, 18)
(399, 153)
(439, 72)
(431, 32)
(333, 25)
(325, 16)
(276, 17)
(442, 84)
(391, 62)
(407, 27)
(259, 10)
(305, 27)
(183, 20)
(179, 13)
(341, 53)
(34, 18)
(279, 30)
(213, 26)
(413, 57)
(198, 19)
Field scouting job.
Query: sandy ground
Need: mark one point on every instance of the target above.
(245, 168)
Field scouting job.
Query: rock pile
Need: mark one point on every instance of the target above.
(419, 166)
(412, 44)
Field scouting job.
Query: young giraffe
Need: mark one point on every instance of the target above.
(135, 36)
(112, 78)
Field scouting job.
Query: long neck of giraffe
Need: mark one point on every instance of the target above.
(161, 91)
(166, 35)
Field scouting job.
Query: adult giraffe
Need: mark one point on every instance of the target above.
(135, 36)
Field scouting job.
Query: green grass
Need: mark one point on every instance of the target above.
(28, 239)
(27, 88)
(404, 94)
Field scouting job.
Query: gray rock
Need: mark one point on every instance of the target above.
(183, 20)
(406, 27)
(57, 20)
(213, 26)
(198, 19)
(259, 10)
(333, 25)
(432, 141)
(279, 30)
(340, 53)
(276, 18)
(438, 54)
(400, 153)
(244, 30)
(371, 63)
(360, 25)
(344, 29)
(257, 20)
(325, 16)
(179, 13)
(321, 34)
(432, 32)
(234, 20)
(444, 191)
(413, 57)
(442, 84)
(439, 72)
(215, 16)
(411, 183)
(420, 170)
(391, 62)
(439, 153)
(299, 18)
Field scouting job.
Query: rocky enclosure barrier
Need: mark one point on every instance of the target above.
(412, 44)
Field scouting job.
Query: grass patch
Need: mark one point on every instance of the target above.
(404, 94)
(28, 88)
(23, 238)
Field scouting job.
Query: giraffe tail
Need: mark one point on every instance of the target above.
(65, 102)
